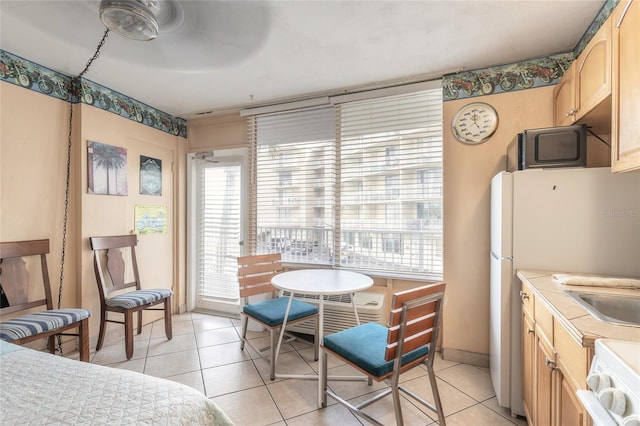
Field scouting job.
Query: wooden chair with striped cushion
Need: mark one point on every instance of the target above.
(120, 290)
(24, 296)
(384, 353)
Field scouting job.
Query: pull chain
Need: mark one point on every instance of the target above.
(75, 84)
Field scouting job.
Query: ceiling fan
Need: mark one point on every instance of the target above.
(134, 19)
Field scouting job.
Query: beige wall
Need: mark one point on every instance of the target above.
(468, 170)
(113, 215)
(33, 149)
(33, 140)
(217, 132)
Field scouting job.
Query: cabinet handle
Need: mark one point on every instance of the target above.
(530, 331)
(550, 364)
(523, 295)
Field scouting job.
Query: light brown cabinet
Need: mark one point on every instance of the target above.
(554, 367)
(564, 98)
(545, 380)
(571, 411)
(625, 129)
(528, 355)
(585, 88)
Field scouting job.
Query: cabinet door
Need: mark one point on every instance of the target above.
(544, 373)
(625, 129)
(593, 72)
(564, 98)
(571, 411)
(528, 367)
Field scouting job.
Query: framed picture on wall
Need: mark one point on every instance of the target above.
(107, 169)
(150, 219)
(150, 176)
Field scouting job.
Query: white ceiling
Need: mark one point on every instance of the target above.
(221, 55)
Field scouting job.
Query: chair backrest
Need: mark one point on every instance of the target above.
(114, 261)
(14, 276)
(414, 320)
(255, 273)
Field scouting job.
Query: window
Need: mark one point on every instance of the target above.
(392, 184)
(355, 184)
(295, 179)
(430, 181)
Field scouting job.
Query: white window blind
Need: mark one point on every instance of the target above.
(295, 185)
(356, 184)
(219, 225)
(391, 183)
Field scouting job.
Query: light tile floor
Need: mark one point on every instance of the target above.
(205, 354)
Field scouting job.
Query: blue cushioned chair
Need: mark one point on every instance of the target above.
(254, 278)
(21, 293)
(384, 353)
(114, 262)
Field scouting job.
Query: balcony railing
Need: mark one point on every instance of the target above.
(404, 251)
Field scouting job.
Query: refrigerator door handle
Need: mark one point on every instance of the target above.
(510, 258)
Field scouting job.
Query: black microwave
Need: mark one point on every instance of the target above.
(564, 146)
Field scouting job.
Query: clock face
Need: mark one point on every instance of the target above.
(475, 123)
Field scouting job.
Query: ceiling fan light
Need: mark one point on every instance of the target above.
(129, 18)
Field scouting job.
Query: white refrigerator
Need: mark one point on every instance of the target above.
(580, 220)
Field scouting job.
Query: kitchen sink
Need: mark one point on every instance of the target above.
(615, 309)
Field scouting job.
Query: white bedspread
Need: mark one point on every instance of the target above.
(39, 388)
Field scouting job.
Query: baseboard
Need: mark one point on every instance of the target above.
(465, 357)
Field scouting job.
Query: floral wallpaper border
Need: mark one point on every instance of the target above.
(30, 75)
(520, 75)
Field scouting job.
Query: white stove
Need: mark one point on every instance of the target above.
(614, 383)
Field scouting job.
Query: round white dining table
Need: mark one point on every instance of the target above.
(321, 282)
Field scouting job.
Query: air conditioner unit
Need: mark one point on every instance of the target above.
(338, 311)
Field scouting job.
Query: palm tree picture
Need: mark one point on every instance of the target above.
(107, 169)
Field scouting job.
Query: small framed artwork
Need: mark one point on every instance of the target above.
(150, 219)
(106, 168)
(150, 176)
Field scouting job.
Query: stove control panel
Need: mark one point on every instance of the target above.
(614, 380)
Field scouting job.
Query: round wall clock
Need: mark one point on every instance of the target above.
(475, 123)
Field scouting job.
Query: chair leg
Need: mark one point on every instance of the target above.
(323, 377)
(51, 344)
(272, 363)
(243, 338)
(395, 393)
(316, 339)
(140, 321)
(83, 337)
(103, 327)
(128, 333)
(167, 318)
(436, 395)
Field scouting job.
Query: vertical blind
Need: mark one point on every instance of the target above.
(356, 184)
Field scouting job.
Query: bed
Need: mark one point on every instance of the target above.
(40, 388)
